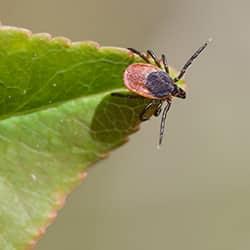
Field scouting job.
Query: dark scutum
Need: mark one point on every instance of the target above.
(159, 84)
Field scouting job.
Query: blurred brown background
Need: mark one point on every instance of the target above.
(194, 193)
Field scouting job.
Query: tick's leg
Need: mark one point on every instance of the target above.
(164, 61)
(140, 54)
(143, 117)
(152, 54)
(190, 60)
(163, 121)
(151, 109)
(127, 95)
(158, 109)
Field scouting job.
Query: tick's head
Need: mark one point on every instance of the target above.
(178, 92)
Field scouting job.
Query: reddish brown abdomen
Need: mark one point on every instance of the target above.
(135, 78)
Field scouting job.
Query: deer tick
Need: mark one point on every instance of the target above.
(152, 80)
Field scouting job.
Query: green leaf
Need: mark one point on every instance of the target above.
(57, 117)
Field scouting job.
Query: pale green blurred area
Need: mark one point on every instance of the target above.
(193, 193)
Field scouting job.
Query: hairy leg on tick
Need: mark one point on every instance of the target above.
(143, 117)
(163, 121)
(158, 109)
(152, 55)
(140, 54)
(165, 64)
(153, 108)
(190, 60)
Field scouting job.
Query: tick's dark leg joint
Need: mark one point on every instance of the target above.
(140, 54)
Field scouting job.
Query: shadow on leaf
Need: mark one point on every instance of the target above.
(116, 117)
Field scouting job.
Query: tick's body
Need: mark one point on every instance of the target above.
(153, 81)
(148, 81)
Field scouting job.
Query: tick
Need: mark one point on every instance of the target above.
(152, 80)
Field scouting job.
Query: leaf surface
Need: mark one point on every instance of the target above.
(57, 117)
